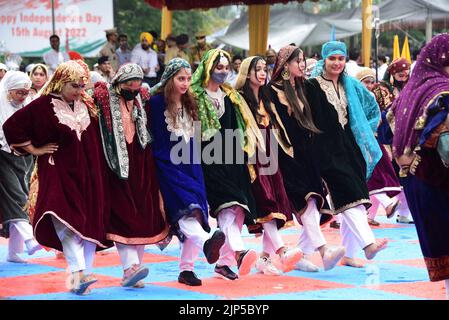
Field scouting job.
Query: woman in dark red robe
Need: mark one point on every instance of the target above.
(60, 128)
(274, 210)
(137, 216)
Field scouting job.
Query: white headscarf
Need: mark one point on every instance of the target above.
(12, 80)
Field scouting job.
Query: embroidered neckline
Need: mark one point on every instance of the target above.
(129, 127)
(77, 119)
(182, 126)
(340, 103)
(217, 99)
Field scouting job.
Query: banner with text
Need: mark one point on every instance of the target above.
(26, 25)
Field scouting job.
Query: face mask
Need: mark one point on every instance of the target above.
(271, 66)
(219, 77)
(128, 95)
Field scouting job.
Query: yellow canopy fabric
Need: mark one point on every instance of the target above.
(166, 23)
(396, 53)
(406, 50)
(259, 21)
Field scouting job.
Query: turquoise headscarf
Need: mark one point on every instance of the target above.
(364, 113)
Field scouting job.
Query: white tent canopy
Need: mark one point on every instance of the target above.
(289, 25)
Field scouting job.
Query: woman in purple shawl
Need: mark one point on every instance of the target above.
(421, 118)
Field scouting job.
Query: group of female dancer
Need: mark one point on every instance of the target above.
(108, 168)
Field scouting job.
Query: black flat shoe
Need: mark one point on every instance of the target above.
(213, 245)
(189, 278)
(225, 272)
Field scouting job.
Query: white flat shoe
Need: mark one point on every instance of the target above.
(306, 266)
(15, 258)
(265, 266)
(290, 258)
(331, 256)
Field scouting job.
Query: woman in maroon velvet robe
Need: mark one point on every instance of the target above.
(274, 210)
(61, 129)
(137, 216)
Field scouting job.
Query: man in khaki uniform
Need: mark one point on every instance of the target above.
(182, 42)
(109, 49)
(172, 50)
(197, 51)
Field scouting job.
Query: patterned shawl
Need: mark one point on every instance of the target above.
(111, 124)
(427, 82)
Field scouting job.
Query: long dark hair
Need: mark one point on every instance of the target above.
(253, 102)
(304, 117)
(187, 100)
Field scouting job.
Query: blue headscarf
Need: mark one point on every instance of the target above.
(364, 113)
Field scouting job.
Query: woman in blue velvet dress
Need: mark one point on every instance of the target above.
(172, 114)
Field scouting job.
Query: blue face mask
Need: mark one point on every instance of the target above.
(219, 77)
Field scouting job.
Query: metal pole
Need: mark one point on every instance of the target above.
(376, 24)
(428, 26)
(352, 39)
(53, 16)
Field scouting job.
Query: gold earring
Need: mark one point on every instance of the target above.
(285, 74)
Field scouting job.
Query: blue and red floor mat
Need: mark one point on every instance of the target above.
(397, 273)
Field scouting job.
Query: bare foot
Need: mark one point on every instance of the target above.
(350, 262)
(374, 248)
(59, 255)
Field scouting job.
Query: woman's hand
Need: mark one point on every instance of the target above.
(48, 148)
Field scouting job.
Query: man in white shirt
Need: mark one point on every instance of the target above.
(54, 57)
(382, 61)
(352, 67)
(146, 58)
(123, 52)
(236, 62)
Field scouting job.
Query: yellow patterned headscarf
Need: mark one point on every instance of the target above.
(69, 71)
(243, 72)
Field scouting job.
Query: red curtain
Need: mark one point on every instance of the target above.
(200, 4)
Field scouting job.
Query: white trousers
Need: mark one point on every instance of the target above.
(403, 209)
(311, 237)
(355, 230)
(19, 232)
(272, 240)
(447, 288)
(78, 252)
(378, 199)
(195, 236)
(130, 254)
(230, 221)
